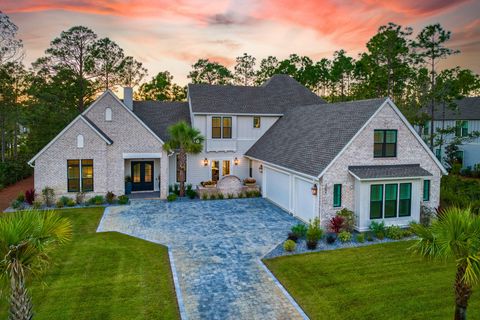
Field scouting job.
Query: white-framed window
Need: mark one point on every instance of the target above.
(108, 114)
(80, 141)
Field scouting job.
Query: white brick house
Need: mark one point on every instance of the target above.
(310, 157)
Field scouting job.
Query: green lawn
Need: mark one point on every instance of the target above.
(104, 276)
(383, 281)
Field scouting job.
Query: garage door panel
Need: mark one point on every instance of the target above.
(304, 201)
(278, 187)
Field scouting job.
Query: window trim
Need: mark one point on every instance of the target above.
(427, 186)
(409, 200)
(460, 126)
(230, 127)
(337, 202)
(108, 114)
(222, 127)
(382, 200)
(80, 180)
(384, 143)
(396, 201)
(397, 204)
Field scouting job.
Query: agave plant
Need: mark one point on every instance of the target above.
(454, 234)
(27, 239)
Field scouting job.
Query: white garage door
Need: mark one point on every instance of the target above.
(277, 187)
(304, 200)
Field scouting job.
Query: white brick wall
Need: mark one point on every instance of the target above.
(360, 152)
(128, 135)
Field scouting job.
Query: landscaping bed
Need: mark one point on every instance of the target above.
(105, 275)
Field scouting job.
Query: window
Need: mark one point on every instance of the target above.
(216, 127)
(461, 128)
(426, 128)
(459, 156)
(80, 173)
(178, 168)
(225, 167)
(426, 190)
(256, 122)
(376, 201)
(108, 114)
(221, 127)
(438, 154)
(405, 205)
(385, 143)
(391, 191)
(215, 170)
(337, 195)
(80, 141)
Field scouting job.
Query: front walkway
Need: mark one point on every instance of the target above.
(216, 246)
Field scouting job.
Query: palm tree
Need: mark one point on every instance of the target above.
(455, 233)
(26, 240)
(183, 139)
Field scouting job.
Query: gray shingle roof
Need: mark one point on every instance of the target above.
(306, 139)
(103, 134)
(389, 171)
(159, 115)
(467, 109)
(276, 96)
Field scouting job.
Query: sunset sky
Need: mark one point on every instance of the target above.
(172, 35)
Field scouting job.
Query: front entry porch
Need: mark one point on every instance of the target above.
(147, 195)
(144, 173)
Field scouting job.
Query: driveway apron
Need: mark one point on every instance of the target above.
(216, 247)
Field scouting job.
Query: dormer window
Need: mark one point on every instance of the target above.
(108, 114)
(221, 127)
(256, 122)
(385, 144)
(80, 141)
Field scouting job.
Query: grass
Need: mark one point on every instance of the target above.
(383, 281)
(104, 276)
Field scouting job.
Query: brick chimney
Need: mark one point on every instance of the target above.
(128, 97)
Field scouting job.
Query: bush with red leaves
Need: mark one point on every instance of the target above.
(30, 196)
(336, 224)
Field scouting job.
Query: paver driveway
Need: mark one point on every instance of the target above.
(216, 246)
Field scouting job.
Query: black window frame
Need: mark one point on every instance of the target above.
(384, 144)
(224, 131)
(426, 190)
(338, 203)
(229, 136)
(461, 128)
(81, 180)
(84, 179)
(257, 119)
(381, 201)
(77, 179)
(395, 213)
(409, 200)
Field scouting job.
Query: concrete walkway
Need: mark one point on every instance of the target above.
(216, 247)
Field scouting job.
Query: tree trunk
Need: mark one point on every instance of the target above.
(182, 158)
(462, 295)
(20, 302)
(3, 139)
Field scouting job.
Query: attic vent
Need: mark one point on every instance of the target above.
(79, 141)
(108, 114)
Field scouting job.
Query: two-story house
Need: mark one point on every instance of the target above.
(465, 118)
(310, 157)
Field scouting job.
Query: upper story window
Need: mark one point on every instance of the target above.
(108, 114)
(385, 144)
(461, 128)
(256, 122)
(80, 141)
(221, 127)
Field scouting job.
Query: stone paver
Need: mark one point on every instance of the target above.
(216, 247)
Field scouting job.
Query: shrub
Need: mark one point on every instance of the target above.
(21, 197)
(204, 196)
(30, 196)
(345, 236)
(230, 196)
(336, 224)
(123, 199)
(348, 219)
(48, 195)
(220, 196)
(97, 200)
(314, 232)
(360, 238)
(331, 238)
(172, 197)
(241, 195)
(213, 196)
(37, 204)
(64, 200)
(289, 245)
(80, 197)
(191, 193)
(369, 237)
(407, 233)
(380, 235)
(60, 204)
(189, 187)
(17, 205)
(71, 203)
(176, 189)
(110, 197)
(394, 232)
(300, 230)
(377, 227)
(292, 236)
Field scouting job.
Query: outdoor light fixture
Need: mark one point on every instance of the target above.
(260, 168)
(205, 162)
(235, 161)
(314, 189)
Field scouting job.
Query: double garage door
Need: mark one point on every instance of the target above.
(290, 192)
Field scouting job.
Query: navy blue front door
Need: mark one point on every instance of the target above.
(142, 175)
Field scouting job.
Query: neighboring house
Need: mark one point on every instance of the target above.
(310, 157)
(466, 119)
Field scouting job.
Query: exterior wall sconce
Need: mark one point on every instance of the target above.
(235, 161)
(314, 190)
(205, 162)
(260, 168)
